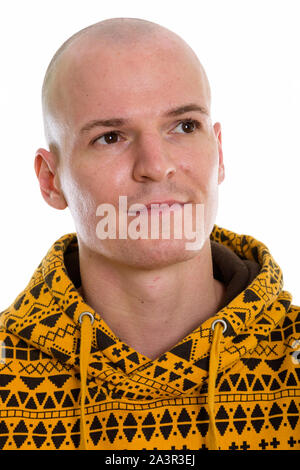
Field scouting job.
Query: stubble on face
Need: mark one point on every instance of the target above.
(102, 78)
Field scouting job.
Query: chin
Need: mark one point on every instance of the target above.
(156, 254)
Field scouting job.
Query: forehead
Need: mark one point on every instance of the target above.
(99, 78)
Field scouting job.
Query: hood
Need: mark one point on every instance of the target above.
(46, 315)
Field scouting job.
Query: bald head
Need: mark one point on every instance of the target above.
(117, 33)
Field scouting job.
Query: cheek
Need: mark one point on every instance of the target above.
(82, 191)
(201, 167)
(87, 187)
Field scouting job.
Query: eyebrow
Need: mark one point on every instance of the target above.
(118, 122)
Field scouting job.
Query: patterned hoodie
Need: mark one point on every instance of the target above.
(67, 382)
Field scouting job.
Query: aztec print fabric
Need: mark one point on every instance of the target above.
(136, 403)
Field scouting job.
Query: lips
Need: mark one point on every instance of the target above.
(169, 203)
(158, 206)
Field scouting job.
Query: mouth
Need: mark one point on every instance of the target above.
(158, 207)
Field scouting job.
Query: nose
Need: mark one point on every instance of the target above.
(152, 160)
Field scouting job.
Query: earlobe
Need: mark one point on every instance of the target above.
(45, 169)
(221, 175)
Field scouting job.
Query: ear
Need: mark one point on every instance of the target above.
(45, 165)
(218, 134)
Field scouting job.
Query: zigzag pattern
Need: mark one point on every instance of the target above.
(133, 402)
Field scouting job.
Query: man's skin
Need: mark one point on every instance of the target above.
(151, 293)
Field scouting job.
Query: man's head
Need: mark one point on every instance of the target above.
(144, 78)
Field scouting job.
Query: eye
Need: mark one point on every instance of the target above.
(188, 126)
(108, 138)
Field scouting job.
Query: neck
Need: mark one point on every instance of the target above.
(151, 310)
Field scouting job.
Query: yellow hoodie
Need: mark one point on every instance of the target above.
(67, 381)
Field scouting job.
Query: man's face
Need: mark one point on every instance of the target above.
(151, 156)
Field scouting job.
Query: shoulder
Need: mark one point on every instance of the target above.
(287, 334)
(292, 318)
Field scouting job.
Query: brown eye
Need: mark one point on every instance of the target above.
(108, 138)
(111, 138)
(188, 126)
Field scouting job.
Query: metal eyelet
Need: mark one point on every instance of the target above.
(86, 313)
(219, 320)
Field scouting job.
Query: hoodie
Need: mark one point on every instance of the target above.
(67, 382)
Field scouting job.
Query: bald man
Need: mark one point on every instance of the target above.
(168, 347)
(140, 285)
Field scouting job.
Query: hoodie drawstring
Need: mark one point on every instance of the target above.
(218, 327)
(86, 320)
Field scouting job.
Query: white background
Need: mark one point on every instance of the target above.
(250, 50)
